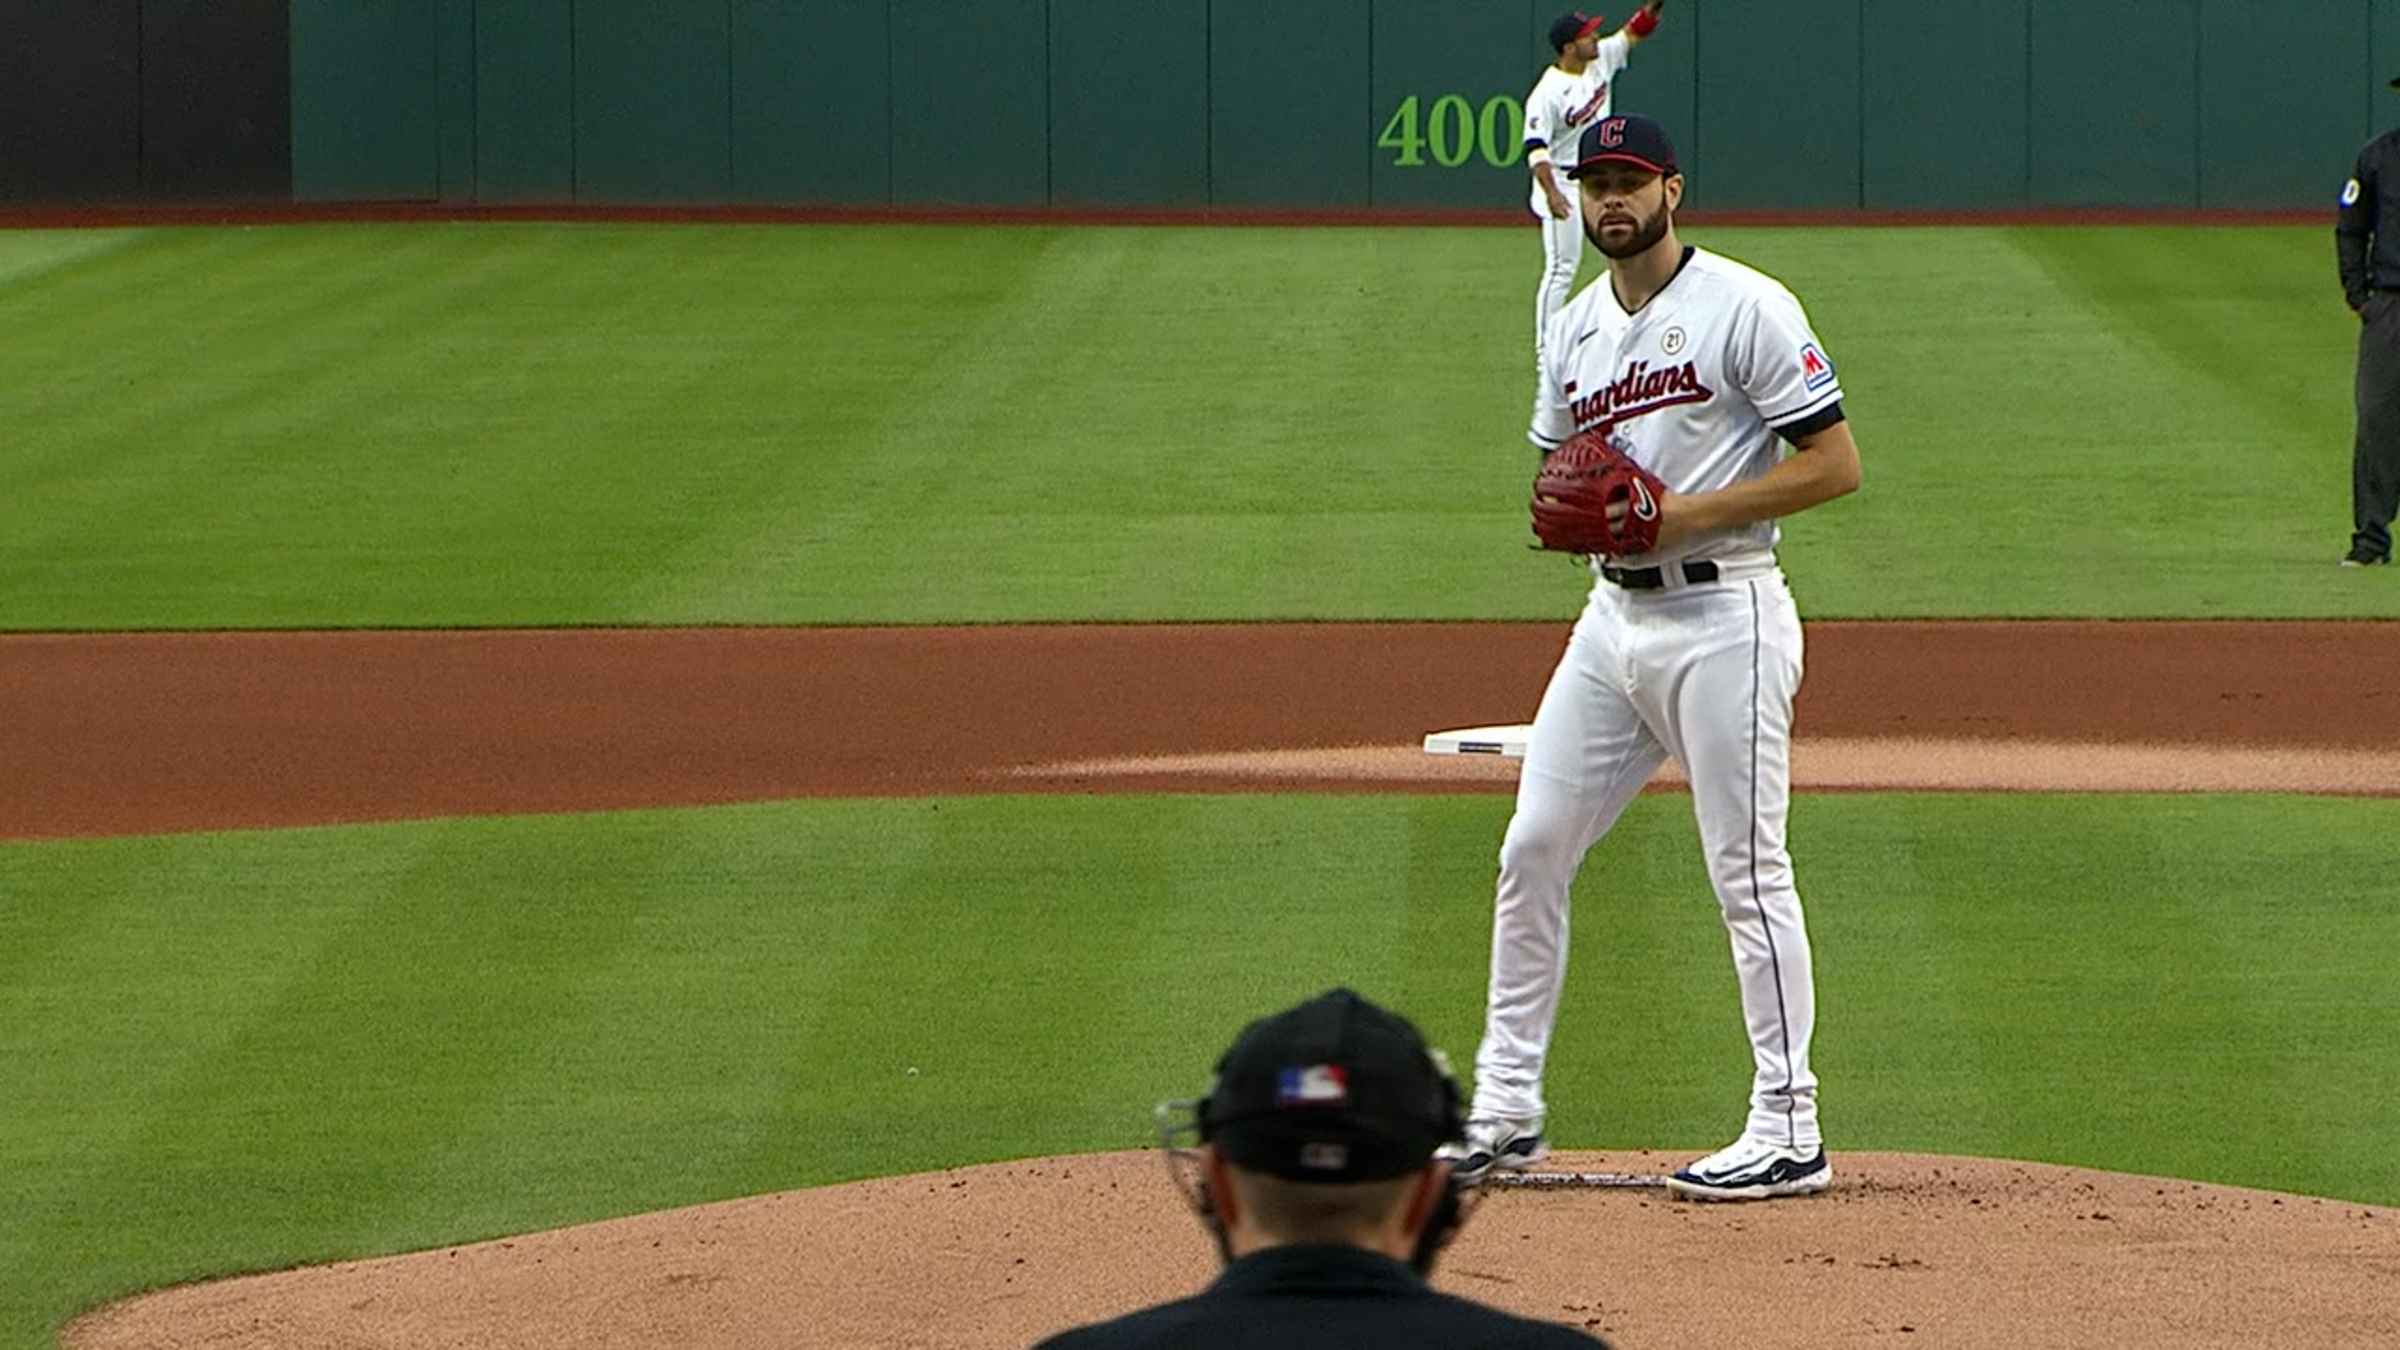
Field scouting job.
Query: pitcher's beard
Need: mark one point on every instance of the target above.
(1644, 235)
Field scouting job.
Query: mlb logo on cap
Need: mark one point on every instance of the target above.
(1313, 1085)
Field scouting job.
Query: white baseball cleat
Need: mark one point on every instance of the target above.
(1495, 1142)
(1749, 1170)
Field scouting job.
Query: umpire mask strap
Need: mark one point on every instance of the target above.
(1450, 1211)
(1180, 1122)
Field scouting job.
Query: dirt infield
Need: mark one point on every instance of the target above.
(116, 734)
(138, 733)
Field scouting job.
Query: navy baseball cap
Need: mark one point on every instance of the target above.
(1335, 1090)
(1629, 140)
(1573, 27)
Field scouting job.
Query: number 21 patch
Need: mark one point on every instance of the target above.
(1815, 371)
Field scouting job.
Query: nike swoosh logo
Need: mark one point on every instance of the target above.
(1782, 1169)
(1644, 505)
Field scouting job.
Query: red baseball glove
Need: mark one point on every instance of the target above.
(1591, 498)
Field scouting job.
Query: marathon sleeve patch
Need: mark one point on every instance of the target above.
(1779, 364)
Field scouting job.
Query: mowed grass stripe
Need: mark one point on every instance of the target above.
(2149, 984)
(1066, 961)
(2254, 339)
(625, 1034)
(167, 1069)
(371, 1012)
(27, 254)
(2220, 303)
(533, 424)
(1151, 418)
(2053, 419)
(343, 426)
(1882, 915)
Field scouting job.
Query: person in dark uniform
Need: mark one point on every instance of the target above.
(1317, 1179)
(2366, 237)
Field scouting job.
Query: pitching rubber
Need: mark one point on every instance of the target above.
(1498, 1179)
(1508, 742)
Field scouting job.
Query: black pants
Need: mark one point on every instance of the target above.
(2375, 460)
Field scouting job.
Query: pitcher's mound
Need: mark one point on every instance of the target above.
(1904, 1250)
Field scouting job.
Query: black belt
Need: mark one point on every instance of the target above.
(1651, 578)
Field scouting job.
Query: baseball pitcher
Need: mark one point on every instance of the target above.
(1685, 406)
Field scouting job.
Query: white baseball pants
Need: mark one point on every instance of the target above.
(1562, 254)
(1705, 673)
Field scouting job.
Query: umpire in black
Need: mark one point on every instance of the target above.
(2366, 237)
(1318, 1180)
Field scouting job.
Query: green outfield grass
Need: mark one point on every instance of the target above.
(257, 1049)
(448, 424)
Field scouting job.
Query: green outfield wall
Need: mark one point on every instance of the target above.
(1874, 104)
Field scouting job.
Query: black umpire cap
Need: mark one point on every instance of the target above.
(1573, 27)
(1335, 1090)
(1630, 139)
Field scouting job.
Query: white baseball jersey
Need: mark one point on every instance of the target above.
(1562, 105)
(1695, 387)
(1704, 670)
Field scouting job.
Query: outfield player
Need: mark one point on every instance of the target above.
(1574, 92)
(1707, 374)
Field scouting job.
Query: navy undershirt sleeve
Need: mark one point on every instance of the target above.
(1810, 425)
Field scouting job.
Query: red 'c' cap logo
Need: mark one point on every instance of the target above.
(1612, 133)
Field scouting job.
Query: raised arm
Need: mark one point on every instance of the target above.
(1643, 23)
